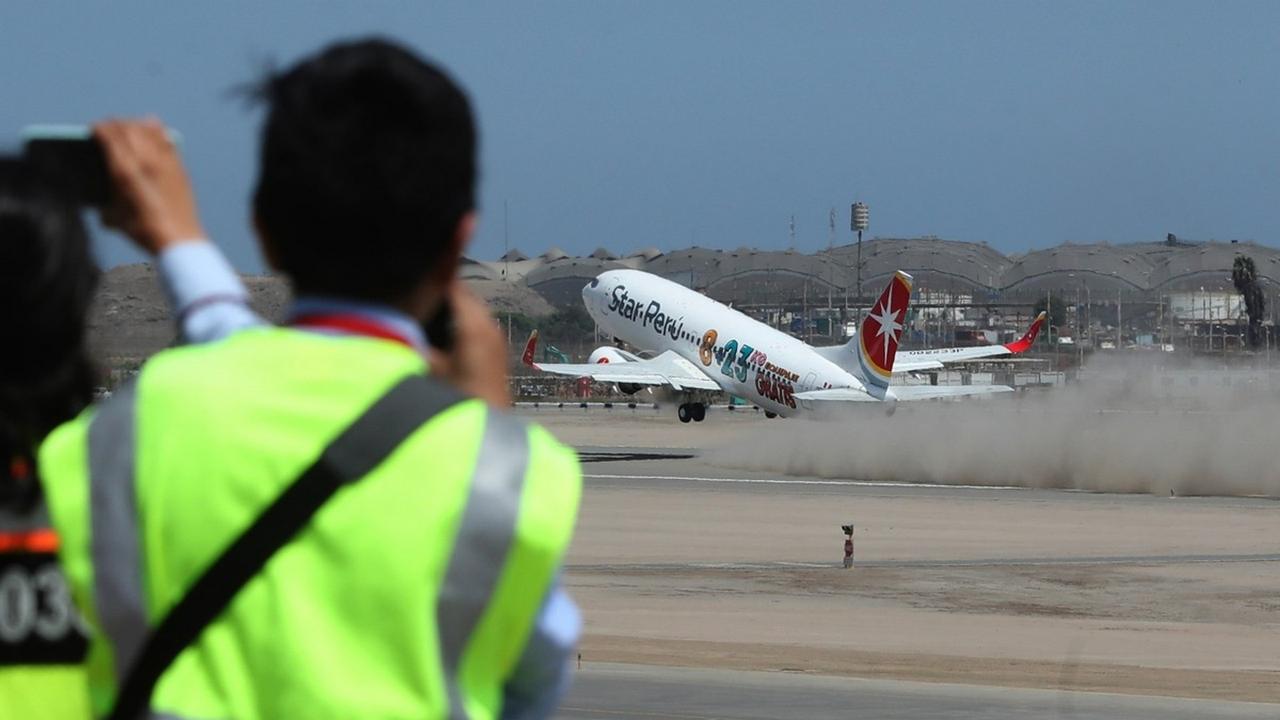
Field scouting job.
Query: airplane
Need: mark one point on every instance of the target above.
(701, 347)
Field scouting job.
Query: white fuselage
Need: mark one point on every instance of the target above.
(746, 357)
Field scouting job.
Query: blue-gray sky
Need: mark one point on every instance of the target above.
(624, 125)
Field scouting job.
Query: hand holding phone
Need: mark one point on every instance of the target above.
(152, 199)
(129, 169)
(468, 349)
(440, 329)
(69, 162)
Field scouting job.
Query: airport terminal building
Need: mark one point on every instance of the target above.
(1144, 294)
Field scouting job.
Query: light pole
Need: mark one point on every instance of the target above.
(859, 220)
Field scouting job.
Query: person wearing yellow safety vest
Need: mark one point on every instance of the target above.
(302, 521)
(47, 281)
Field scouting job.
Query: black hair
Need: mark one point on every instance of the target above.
(368, 163)
(47, 281)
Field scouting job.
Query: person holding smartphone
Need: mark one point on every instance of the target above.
(47, 282)
(334, 518)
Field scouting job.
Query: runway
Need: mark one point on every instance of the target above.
(691, 471)
(607, 691)
(714, 590)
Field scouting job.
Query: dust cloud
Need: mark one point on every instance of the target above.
(1131, 427)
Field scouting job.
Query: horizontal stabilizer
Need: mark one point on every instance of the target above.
(905, 393)
(838, 395)
(911, 393)
(907, 366)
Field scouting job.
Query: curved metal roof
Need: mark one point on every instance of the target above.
(587, 267)
(513, 270)
(692, 267)
(755, 276)
(760, 276)
(561, 281)
(745, 262)
(469, 269)
(648, 253)
(1095, 266)
(1209, 266)
(934, 262)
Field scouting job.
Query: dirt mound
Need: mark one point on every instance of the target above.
(130, 318)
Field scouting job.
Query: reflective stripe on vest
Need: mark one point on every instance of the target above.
(117, 560)
(483, 541)
(475, 565)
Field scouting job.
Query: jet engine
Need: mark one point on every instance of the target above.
(607, 354)
(612, 355)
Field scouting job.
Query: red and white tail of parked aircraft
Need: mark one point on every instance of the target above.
(697, 346)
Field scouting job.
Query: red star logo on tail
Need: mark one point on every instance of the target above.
(888, 328)
(882, 327)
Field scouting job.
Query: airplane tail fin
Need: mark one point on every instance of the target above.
(1027, 340)
(881, 330)
(530, 348)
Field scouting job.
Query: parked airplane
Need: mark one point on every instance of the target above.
(701, 347)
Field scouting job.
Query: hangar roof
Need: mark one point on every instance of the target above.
(932, 260)
(746, 274)
(1209, 266)
(1095, 265)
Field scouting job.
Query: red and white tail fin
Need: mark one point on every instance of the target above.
(530, 348)
(881, 330)
(1026, 341)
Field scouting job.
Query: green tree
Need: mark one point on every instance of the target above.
(569, 327)
(1245, 277)
(1057, 309)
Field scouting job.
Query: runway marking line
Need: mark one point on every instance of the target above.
(776, 481)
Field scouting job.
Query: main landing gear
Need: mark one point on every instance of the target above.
(696, 412)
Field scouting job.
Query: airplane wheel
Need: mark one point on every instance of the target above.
(770, 415)
(683, 413)
(698, 411)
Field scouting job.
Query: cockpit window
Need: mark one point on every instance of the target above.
(595, 282)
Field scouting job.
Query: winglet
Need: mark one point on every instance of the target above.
(1026, 341)
(530, 348)
(881, 331)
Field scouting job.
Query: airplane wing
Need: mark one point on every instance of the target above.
(906, 365)
(935, 359)
(905, 393)
(666, 369)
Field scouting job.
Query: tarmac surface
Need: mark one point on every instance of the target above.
(632, 692)
(714, 591)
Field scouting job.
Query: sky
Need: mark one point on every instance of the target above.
(670, 124)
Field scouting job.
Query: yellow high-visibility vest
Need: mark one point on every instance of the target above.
(410, 594)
